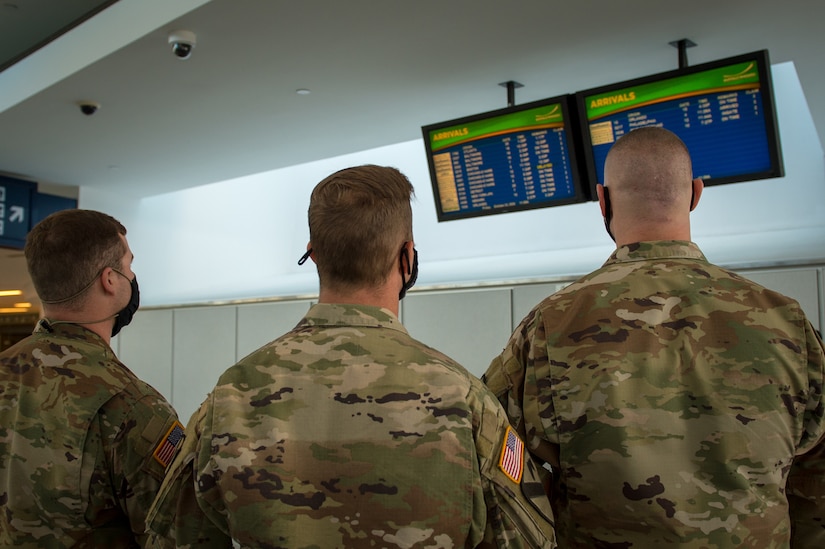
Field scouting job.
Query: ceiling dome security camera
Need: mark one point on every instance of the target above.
(88, 107)
(183, 42)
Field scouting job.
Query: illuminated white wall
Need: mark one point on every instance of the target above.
(242, 238)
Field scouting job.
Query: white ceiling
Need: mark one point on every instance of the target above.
(377, 70)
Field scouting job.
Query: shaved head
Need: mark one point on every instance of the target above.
(649, 190)
(649, 174)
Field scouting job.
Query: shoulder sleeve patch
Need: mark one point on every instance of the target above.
(512, 456)
(170, 442)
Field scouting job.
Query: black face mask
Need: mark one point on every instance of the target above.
(608, 212)
(411, 270)
(124, 317)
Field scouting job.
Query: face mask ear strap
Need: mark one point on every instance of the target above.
(405, 257)
(412, 270)
(608, 212)
(305, 257)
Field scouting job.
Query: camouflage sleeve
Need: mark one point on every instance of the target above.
(512, 377)
(518, 512)
(806, 481)
(176, 518)
(137, 461)
(505, 378)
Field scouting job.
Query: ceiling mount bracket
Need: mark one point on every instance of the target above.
(511, 86)
(682, 45)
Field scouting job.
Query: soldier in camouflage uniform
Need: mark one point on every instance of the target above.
(346, 432)
(678, 403)
(83, 442)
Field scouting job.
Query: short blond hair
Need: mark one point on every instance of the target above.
(359, 219)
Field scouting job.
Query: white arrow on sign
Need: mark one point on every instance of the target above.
(16, 214)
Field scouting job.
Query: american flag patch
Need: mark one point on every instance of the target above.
(512, 456)
(166, 449)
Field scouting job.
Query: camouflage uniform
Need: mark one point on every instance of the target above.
(78, 434)
(346, 432)
(678, 403)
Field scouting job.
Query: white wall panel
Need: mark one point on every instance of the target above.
(821, 287)
(469, 326)
(528, 296)
(145, 346)
(204, 347)
(260, 323)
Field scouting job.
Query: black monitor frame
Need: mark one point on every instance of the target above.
(621, 90)
(565, 103)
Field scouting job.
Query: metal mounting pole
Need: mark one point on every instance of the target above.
(682, 45)
(511, 86)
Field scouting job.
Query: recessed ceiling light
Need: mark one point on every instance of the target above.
(302, 91)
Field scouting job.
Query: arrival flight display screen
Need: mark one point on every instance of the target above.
(724, 114)
(502, 161)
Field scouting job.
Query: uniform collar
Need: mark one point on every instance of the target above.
(656, 249)
(344, 314)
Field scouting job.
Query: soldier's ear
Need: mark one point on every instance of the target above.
(600, 195)
(107, 281)
(696, 193)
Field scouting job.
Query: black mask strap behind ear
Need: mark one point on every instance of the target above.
(305, 257)
(412, 270)
(608, 212)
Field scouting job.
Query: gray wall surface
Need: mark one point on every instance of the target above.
(182, 351)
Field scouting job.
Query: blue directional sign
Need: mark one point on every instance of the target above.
(44, 205)
(15, 211)
(22, 207)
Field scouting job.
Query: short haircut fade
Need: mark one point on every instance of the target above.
(68, 249)
(359, 219)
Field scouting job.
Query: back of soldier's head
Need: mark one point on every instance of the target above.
(359, 219)
(68, 249)
(649, 167)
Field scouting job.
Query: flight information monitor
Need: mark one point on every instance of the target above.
(508, 160)
(723, 111)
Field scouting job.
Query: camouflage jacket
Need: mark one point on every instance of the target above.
(83, 443)
(678, 404)
(346, 432)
